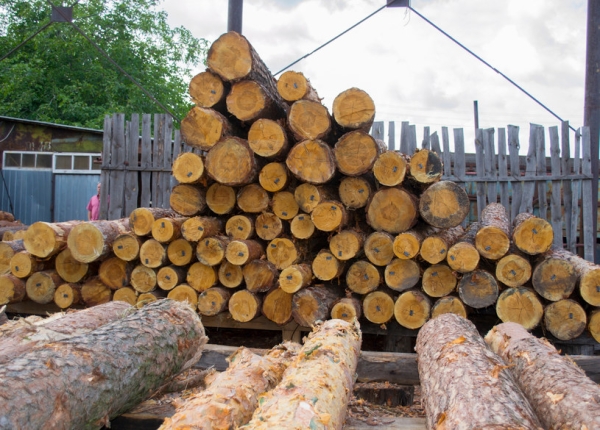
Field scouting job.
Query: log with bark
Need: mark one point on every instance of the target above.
(231, 162)
(531, 234)
(311, 161)
(115, 273)
(12, 289)
(562, 396)
(330, 215)
(126, 246)
(23, 264)
(434, 248)
(187, 199)
(438, 280)
(168, 277)
(390, 168)
(41, 286)
(347, 309)
(268, 138)
(408, 244)
(425, 168)
(180, 252)
(141, 219)
(94, 292)
(108, 371)
(277, 306)
(355, 153)
(448, 305)
(204, 127)
(220, 198)
(463, 255)
(295, 277)
(363, 277)
(188, 168)
(249, 100)
(478, 289)
(67, 295)
(273, 177)
(92, 240)
(594, 324)
(184, 293)
(143, 279)
(326, 266)
(252, 199)
(260, 276)
(412, 309)
(378, 307)
(208, 90)
(379, 248)
(230, 275)
(313, 304)
(244, 305)
(293, 86)
(282, 252)
(166, 230)
(520, 305)
(126, 294)
(514, 269)
(153, 254)
(308, 196)
(211, 251)
(268, 226)
(308, 119)
(197, 228)
(554, 278)
(401, 275)
(213, 301)
(347, 244)
(284, 205)
(240, 252)
(201, 276)
(240, 227)
(444, 204)
(464, 384)
(355, 191)
(354, 109)
(393, 210)
(7, 250)
(565, 319)
(493, 237)
(44, 239)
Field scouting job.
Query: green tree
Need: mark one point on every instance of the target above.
(58, 76)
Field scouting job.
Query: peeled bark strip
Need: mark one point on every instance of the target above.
(347, 309)
(329, 216)
(94, 292)
(253, 199)
(393, 210)
(141, 219)
(390, 168)
(204, 127)
(444, 204)
(143, 279)
(531, 234)
(565, 319)
(125, 294)
(169, 277)
(425, 167)
(127, 246)
(92, 240)
(230, 275)
(513, 270)
(44, 239)
(101, 384)
(355, 153)
(180, 252)
(295, 277)
(448, 305)
(520, 305)
(313, 304)
(355, 192)
(41, 286)
(362, 277)
(115, 273)
(211, 251)
(277, 306)
(401, 275)
(378, 307)
(309, 119)
(311, 161)
(208, 90)
(12, 289)
(231, 162)
(232, 397)
(240, 252)
(302, 400)
(260, 276)
(67, 295)
(244, 306)
(293, 86)
(379, 248)
(187, 200)
(184, 293)
(463, 255)
(268, 138)
(354, 109)
(493, 237)
(197, 228)
(188, 168)
(273, 177)
(268, 226)
(478, 289)
(240, 227)
(220, 198)
(282, 252)
(23, 264)
(559, 391)
(346, 244)
(308, 196)
(464, 383)
(326, 267)
(7, 250)
(412, 309)
(213, 301)
(438, 280)
(201, 277)
(434, 248)
(153, 254)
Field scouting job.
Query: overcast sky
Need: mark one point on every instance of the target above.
(412, 71)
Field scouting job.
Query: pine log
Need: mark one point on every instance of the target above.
(348, 309)
(347, 244)
(94, 292)
(308, 196)
(12, 289)
(277, 306)
(378, 307)
(531, 234)
(273, 177)
(558, 390)
(438, 280)
(313, 304)
(240, 227)
(354, 109)
(231, 162)
(232, 396)
(268, 138)
(153, 254)
(434, 248)
(41, 286)
(244, 306)
(355, 192)
(240, 252)
(401, 275)
(141, 219)
(478, 289)
(268, 226)
(448, 305)
(7, 216)
(293, 86)
(184, 293)
(143, 279)
(260, 276)
(513, 270)
(355, 153)
(201, 276)
(126, 246)
(208, 90)
(220, 198)
(92, 240)
(390, 168)
(393, 210)
(284, 205)
(425, 167)
(444, 204)
(253, 199)
(204, 127)
(330, 215)
(311, 161)
(125, 294)
(169, 277)
(150, 297)
(188, 168)
(493, 237)
(197, 228)
(115, 273)
(67, 295)
(379, 248)
(180, 252)
(304, 400)
(362, 277)
(565, 319)
(463, 383)
(326, 266)
(282, 252)
(23, 264)
(211, 251)
(308, 119)
(412, 309)
(230, 275)
(187, 200)
(249, 100)
(463, 256)
(101, 383)
(520, 305)
(295, 277)
(44, 239)
(594, 324)
(408, 244)
(213, 301)
(7, 250)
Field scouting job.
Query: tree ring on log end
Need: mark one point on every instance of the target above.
(444, 204)
(230, 57)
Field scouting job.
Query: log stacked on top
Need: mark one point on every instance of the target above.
(293, 212)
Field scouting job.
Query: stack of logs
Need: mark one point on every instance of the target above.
(286, 210)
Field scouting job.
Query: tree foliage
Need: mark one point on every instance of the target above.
(58, 76)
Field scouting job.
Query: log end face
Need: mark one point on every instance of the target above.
(444, 204)
(520, 305)
(40, 240)
(448, 305)
(390, 169)
(231, 162)
(565, 319)
(202, 128)
(230, 57)
(463, 257)
(533, 236)
(392, 210)
(378, 307)
(412, 309)
(86, 242)
(292, 86)
(589, 286)
(353, 108)
(492, 242)
(188, 168)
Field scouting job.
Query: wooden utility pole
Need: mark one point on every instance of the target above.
(234, 17)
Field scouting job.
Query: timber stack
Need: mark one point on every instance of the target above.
(287, 210)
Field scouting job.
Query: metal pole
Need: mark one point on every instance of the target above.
(234, 17)
(591, 116)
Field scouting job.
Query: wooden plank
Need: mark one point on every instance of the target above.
(426, 143)
(177, 149)
(542, 186)
(377, 130)
(405, 138)
(503, 169)
(105, 174)
(117, 178)
(146, 161)
(530, 169)
(412, 141)
(515, 170)
(555, 203)
(489, 155)
(480, 169)
(392, 135)
(588, 211)
(435, 144)
(459, 161)
(132, 155)
(566, 165)
(167, 161)
(576, 185)
(157, 159)
(446, 154)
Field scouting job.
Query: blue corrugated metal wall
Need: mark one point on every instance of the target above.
(72, 194)
(30, 192)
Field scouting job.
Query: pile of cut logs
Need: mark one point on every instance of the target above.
(286, 210)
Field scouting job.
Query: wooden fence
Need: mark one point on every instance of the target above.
(136, 171)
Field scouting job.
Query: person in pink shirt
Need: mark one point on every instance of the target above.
(93, 206)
